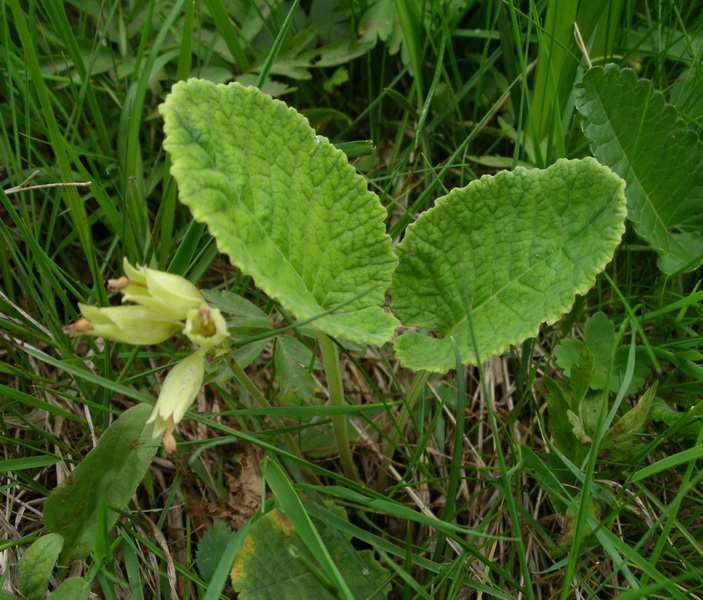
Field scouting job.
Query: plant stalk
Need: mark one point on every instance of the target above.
(330, 358)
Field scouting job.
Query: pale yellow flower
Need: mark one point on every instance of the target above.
(205, 326)
(178, 392)
(165, 293)
(163, 304)
(136, 325)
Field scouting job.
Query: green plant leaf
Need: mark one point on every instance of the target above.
(581, 377)
(589, 410)
(37, 564)
(639, 376)
(73, 588)
(275, 563)
(567, 354)
(623, 440)
(578, 427)
(598, 337)
(109, 474)
(519, 245)
(243, 313)
(641, 138)
(211, 547)
(295, 382)
(663, 413)
(560, 426)
(378, 21)
(284, 204)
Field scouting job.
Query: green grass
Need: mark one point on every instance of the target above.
(453, 481)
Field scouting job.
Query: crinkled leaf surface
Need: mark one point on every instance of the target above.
(639, 136)
(518, 246)
(109, 474)
(284, 204)
(266, 567)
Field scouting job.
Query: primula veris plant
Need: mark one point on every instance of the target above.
(289, 210)
(637, 134)
(284, 204)
(501, 256)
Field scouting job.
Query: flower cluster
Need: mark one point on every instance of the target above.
(163, 304)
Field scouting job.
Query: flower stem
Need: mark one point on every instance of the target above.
(330, 358)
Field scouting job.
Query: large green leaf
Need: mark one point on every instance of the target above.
(641, 138)
(284, 204)
(104, 481)
(518, 247)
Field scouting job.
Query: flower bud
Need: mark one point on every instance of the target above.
(178, 392)
(205, 326)
(136, 325)
(172, 296)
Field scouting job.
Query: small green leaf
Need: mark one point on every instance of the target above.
(284, 204)
(109, 474)
(73, 588)
(247, 354)
(36, 566)
(381, 22)
(338, 53)
(519, 246)
(639, 376)
(378, 21)
(296, 384)
(339, 77)
(663, 413)
(599, 336)
(211, 547)
(641, 138)
(320, 441)
(560, 425)
(242, 312)
(567, 354)
(589, 410)
(581, 377)
(598, 339)
(623, 440)
(578, 428)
